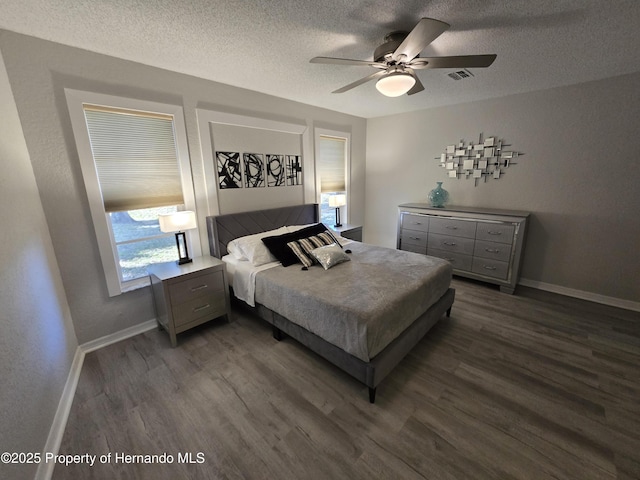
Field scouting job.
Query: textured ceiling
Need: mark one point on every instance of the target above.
(265, 45)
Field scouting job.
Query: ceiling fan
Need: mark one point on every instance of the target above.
(397, 58)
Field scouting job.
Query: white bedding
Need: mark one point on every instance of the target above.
(242, 276)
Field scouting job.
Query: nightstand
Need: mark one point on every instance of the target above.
(352, 232)
(188, 295)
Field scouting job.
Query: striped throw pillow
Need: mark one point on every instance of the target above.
(303, 247)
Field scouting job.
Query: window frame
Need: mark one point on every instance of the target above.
(323, 132)
(101, 222)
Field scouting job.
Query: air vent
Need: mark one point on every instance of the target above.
(460, 74)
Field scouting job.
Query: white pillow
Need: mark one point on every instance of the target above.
(251, 248)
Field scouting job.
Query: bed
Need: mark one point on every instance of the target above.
(363, 316)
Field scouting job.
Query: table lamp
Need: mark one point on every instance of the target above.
(178, 222)
(337, 201)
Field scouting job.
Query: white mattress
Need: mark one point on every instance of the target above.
(242, 276)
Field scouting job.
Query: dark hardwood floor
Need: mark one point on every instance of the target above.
(531, 386)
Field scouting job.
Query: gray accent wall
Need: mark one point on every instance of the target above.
(579, 177)
(37, 341)
(39, 71)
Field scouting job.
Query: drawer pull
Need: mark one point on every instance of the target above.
(417, 223)
(450, 244)
(488, 267)
(199, 309)
(493, 232)
(492, 250)
(414, 238)
(451, 227)
(195, 289)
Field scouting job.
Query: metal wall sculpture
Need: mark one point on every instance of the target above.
(486, 159)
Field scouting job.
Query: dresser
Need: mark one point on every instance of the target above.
(188, 295)
(481, 243)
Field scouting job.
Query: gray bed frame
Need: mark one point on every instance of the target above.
(224, 228)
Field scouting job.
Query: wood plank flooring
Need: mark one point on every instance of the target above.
(532, 386)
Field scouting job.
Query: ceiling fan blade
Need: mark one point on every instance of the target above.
(360, 82)
(459, 61)
(346, 61)
(418, 87)
(425, 32)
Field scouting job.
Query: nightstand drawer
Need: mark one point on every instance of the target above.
(212, 305)
(451, 226)
(196, 287)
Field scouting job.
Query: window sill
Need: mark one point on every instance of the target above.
(136, 284)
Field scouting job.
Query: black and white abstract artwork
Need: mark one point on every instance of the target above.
(253, 170)
(229, 172)
(294, 170)
(275, 170)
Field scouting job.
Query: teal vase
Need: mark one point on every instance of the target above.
(438, 197)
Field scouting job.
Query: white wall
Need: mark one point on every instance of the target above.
(37, 342)
(39, 71)
(579, 177)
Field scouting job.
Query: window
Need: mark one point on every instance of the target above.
(332, 166)
(135, 166)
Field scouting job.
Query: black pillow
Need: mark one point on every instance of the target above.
(278, 247)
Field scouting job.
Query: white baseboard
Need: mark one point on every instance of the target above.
(118, 336)
(572, 292)
(45, 470)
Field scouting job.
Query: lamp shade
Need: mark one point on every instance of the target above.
(177, 222)
(339, 200)
(395, 84)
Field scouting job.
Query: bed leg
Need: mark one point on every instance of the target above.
(449, 312)
(277, 333)
(372, 395)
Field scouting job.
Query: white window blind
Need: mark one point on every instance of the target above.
(135, 157)
(332, 164)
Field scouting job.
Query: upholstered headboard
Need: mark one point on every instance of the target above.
(224, 228)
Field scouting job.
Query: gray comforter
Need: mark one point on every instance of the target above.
(359, 306)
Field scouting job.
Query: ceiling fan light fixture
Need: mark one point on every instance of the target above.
(395, 84)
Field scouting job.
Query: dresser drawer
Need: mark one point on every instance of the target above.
(196, 286)
(415, 222)
(451, 244)
(211, 306)
(458, 260)
(490, 268)
(413, 237)
(451, 226)
(495, 232)
(496, 251)
(407, 247)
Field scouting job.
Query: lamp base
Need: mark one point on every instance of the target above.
(338, 224)
(183, 251)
